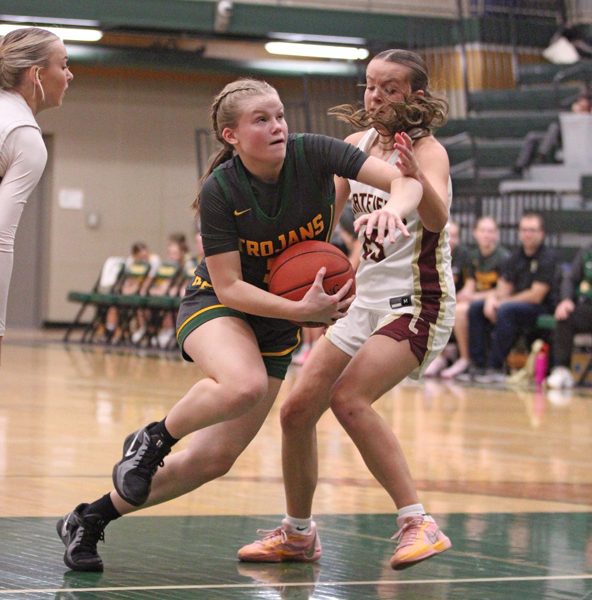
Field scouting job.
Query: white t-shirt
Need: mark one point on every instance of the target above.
(22, 160)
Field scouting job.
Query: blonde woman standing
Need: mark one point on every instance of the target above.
(34, 75)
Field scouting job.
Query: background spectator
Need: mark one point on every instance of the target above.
(523, 292)
(176, 255)
(573, 315)
(583, 103)
(139, 253)
(461, 262)
(485, 266)
(461, 259)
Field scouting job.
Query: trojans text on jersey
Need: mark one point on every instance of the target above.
(313, 229)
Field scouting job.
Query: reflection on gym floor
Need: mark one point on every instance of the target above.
(505, 471)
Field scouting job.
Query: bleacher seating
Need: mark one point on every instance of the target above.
(544, 73)
(501, 126)
(522, 98)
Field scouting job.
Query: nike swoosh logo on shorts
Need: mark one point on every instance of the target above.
(238, 213)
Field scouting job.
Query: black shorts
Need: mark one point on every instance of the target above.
(277, 338)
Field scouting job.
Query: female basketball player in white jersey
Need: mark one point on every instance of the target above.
(400, 320)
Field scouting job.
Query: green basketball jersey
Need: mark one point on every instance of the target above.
(260, 220)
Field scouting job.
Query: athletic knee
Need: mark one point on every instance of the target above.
(245, 393)
(346, 406)
(301, 411)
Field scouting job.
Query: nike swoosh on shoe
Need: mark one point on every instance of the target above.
(130, 451)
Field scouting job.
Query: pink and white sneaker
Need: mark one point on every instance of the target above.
(419, 538)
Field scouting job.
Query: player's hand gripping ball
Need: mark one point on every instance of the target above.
(294, 271)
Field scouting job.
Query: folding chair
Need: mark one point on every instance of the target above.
(160, 300)
(106, 283)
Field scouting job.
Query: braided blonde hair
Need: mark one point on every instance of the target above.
(225, 112)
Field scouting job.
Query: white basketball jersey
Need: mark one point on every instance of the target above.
(412, 275)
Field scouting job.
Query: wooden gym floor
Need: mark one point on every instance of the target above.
(506, 472)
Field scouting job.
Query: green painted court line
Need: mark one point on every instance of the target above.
(295, 585)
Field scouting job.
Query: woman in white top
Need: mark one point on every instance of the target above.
(34, 75)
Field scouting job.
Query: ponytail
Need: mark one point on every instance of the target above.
(224, 154)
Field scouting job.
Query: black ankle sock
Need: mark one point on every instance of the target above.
(160, 429)
(103, 507)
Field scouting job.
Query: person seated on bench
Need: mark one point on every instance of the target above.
(139, 252)
(573, 315)
(523, 292)
(176, 254)
(486, 262)
(461, 262)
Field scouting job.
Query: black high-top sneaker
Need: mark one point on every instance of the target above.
(80, 535)
(143, 453)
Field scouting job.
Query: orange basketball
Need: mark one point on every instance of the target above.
(294, 270)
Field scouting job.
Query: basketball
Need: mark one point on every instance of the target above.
(294, 271)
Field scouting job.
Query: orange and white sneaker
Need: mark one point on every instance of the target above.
(419, 538)
(283, 544)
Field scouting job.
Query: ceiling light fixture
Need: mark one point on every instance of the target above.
(65, 33)
(317, 51)
(336, 40)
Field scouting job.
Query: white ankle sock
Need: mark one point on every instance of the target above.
(300, 526)
(412, 510)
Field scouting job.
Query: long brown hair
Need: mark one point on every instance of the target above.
(423, 112)
(225, 112)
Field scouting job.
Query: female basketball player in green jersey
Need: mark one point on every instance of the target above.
(265, 190)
